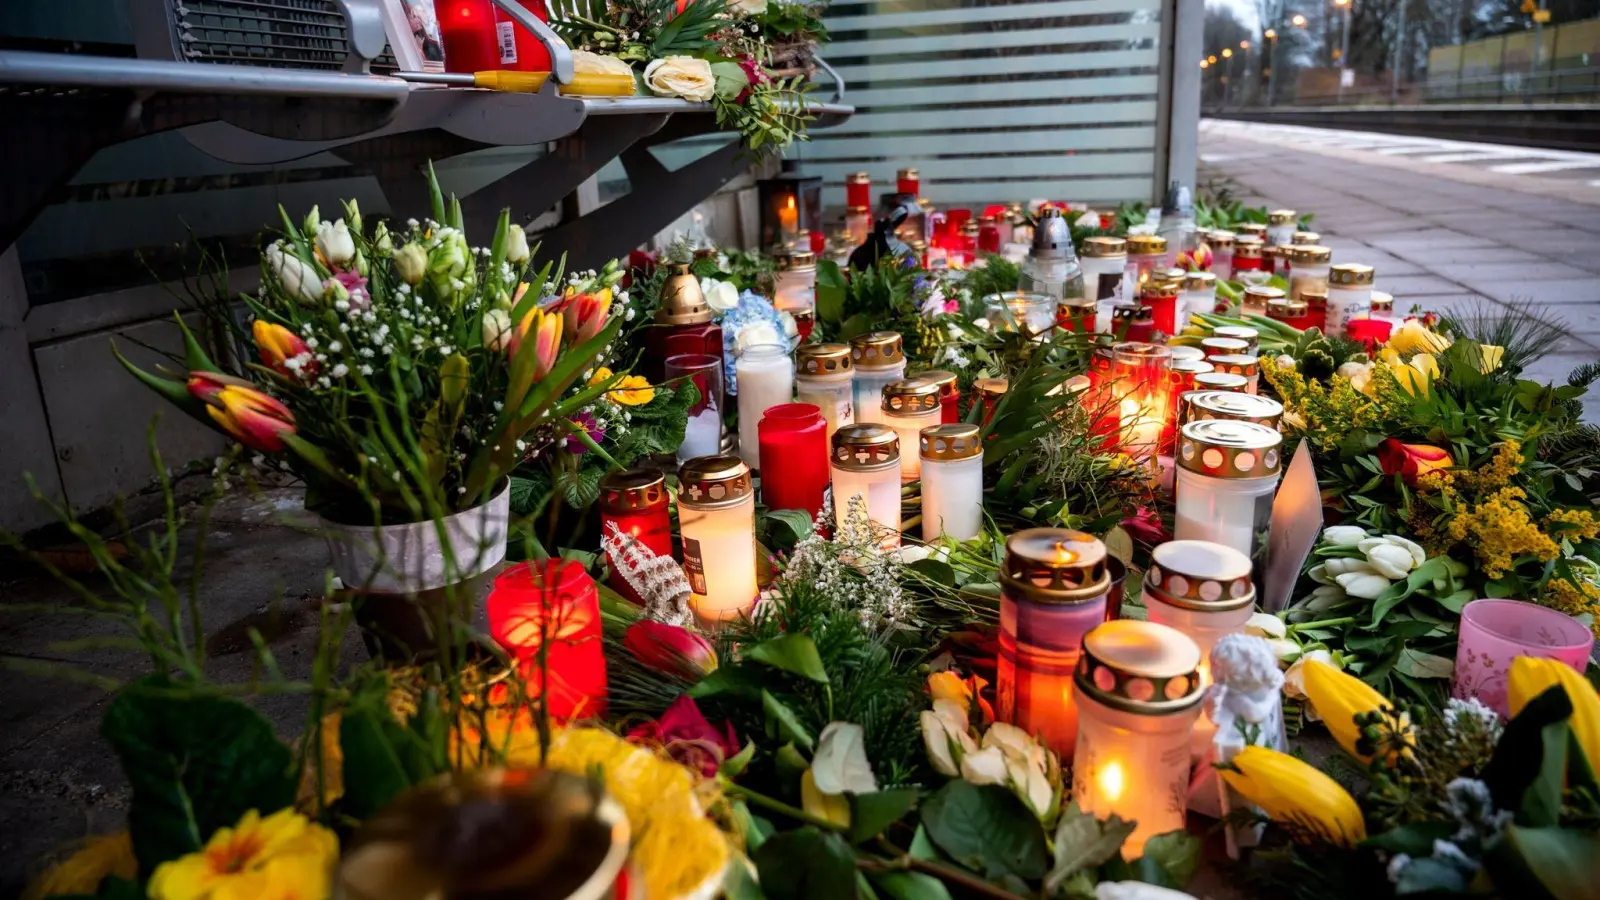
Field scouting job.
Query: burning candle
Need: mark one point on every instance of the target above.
(866, 464)
(1147, 254)
(794, 457)
(547, 616)
(1349, 295)
(825, 380)
(1053, 588)
(635, 501)
(794, 287)
(1227, 474)
(949, 394)
(717, 517)
(789, 220)
(1030, 314)
(702, 434)
(766, 379)
(878, 359)
(908, 407)
(1141, 382)
(1138, 695)
(990, 390)
(952, 482)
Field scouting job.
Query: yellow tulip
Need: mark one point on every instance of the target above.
(1490, 357)
(1414, 337)
(1531, 677)
(1291, 791)
(1338, 698)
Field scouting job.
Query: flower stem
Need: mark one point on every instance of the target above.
(903, 860)
(778, 806)
(1342, 620)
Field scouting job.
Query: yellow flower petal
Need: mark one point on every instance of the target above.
(1531, 677)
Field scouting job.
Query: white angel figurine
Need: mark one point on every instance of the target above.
(1245, 701)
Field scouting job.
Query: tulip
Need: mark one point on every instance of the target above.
(1343, 535)
(670, 649)
(1490, 357)
(278, 345)
(497, 330)
(833, 808)
(312, 222)
(1412, 336)
(1338, 698)
(334, 291)
(586, 314)
(1390, 561)
(300, 281)
(1265, 625)
(1366, 585)
(382, 240)
(517, 245)
(247, 415)
(1531, 676)
(411, 261)
(1413, 550)
(1412, 461)
(1292, 791)
(335, 244)
(539, 334)
(987, 766)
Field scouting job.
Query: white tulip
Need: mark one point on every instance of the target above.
(333, 239)
(1344, 535)
(496, 329)
(299, 280)
(1365, 585)
(841, 762)
(516, 245)
(986, 766)
(1283, 648)
(411, 261)
(1294, 680)
(1265, 625)
(749, 7)
(1337, 567)
(1136, 890)
(1324, 597)
(721, 296)
(1418, 555)
(1390, 561)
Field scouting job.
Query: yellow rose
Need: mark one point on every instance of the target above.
(632, 390)
(949, 686)
(681, 76)
(284, 856)
(1490, 357)
(586, 63)
(1414, 337)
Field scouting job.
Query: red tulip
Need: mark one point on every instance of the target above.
(670, 649)
(1412, 461)
(688, 738)
(586, 314)
(277, 345)
(207, 386)
(246, 414)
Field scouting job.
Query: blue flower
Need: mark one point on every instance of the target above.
(752, 309)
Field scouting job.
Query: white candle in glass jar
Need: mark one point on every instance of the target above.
(794, 285)
(865, 463)
(877, 359)
(1221, 244)
(910, 405)
(825, 379)
(1309, 269)
(765, 378)
(1349, 295)
(1227, 475)
(952, 481)
(1280, 227)
(717, 518)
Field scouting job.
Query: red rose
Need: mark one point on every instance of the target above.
(688, 738)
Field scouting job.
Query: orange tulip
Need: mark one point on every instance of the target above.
(247, 415)
(539, 334)
(277, 345)
(1412, 461)
(586, 314)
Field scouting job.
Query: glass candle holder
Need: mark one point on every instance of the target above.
(1227, 474)
(702, 436)
(634, 502)
(766, 379)
(1147, 254)
(1249, 260)
(1281, 227)
(1204, 591)
(1316, 299)
(794, 456)
(683, 325)
(1494, 632)
(1382, 306)
(1077, 315)
(1240, 364)
(1250, 336)
(909, 406)
(990, 390)
(1310, 268)
(877, 358)
(794, 284)
(952, 482)
(1105, 269)
(1199, 296)
(1161, 296)
(1256, 230)
(717, 519)
(1138, 695)
(1186, 353)
(866, 464)
(1141, 382)
(1183, 372)
(1198, 406)
(908, 181)
(1221, 244)
(858, 221)
(1053, 589)
(858, 189)
(825, 379)
(1305, 237)
(1257, 298)
(1371, 332)
(1295, 313)
(1030, 314)
(1349, 294)
(1275, 259)
(551, 610)
(949, 394)
(1051, 266)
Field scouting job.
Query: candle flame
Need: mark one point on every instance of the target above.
(1063, 555)
(1110, 779)
(788, 202)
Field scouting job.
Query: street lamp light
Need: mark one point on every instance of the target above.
(1344, 47)
(1227, 54)
(1212, 60)
(1244, 45)
(1298, 21)
(1270, 34)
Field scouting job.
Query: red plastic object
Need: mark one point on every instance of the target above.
(794, 457)
(665, 341)
(819, 243)
(1371, 332)
(1164, 311)
(552, 605)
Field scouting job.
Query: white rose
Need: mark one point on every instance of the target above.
(841, 762)
(1136, 890)
(584, 62)
(986, 766)
(721, 296)
(758, 333)
(1390, 561)
(333, 239)
(944, 734)
(1365, 585)
(681, 76)
(1087, 220)
(1344, 535)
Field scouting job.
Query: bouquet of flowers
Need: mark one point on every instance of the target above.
(401, 373)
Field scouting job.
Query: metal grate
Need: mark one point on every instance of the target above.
(305, 34)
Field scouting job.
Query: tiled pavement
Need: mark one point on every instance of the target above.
(1437, 242)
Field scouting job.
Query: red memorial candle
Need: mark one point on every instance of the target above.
(794, 457)
(547, 616)
(635, 501)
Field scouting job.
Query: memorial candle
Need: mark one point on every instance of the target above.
(1221, 244)
(824, 378)
(794, 457)
(683, 324)
(717, 518)
(990, 390)
(949, 394)
(1280, 227)
(702, 434)
(1147, 254)
(1250, 336)
(858, 189)
(1349, 295)
(908, 407)
(1311, 264)
(1240, 364)
(635, 502)
(547, 617)
(908, 181)
(765, 379)
(952, 482)
(1227, 474)
(794, 288)
(866, 464)
(1247, 260)
(877, 358)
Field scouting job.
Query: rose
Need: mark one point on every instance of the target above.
(689, 738)
(1412, 461)
(721, 296)
(681, 76)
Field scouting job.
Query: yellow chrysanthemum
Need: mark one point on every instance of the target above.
(82, 872)
(633, 390)
(1574, 599)
(282, 857)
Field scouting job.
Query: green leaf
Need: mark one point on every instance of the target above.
(733, 680)
(1526, 772)
(922, 847)
(1415, 839)
(1417, 664)
(194, 355)
(935, 570)
(1563, 863)
(731, 79)
(783, 724)
(806, 864)
(195, 763)
(789, 763)
(381, 756)
(734, 766)
(911, 886)
(832, 287)
(1084, 842)
(793, 653)
(871, 813)
(739, 884)
(1170, 859)
(987, 829)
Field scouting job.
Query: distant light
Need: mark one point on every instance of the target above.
(1227, 54)
(1204, 63)
(1212, 60)
(1298, 21)
(1244, 45)
(1270, 33)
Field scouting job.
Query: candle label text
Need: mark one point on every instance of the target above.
(694, 566)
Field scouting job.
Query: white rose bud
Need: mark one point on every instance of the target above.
(383, 240)
(681, 76)
(334, 291)
(516, 245)
(300, 280)
(411, 261)
(496, 329)
(312, 222)
(333, 239)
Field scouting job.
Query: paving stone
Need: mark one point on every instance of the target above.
(1558, 295)
(1403, 286)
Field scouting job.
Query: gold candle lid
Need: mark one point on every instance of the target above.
(1221, 381)
(1263, 294)
(632, 490)
(1234, 405)
(1287, 308)
(1056, 565)
(991, 387)
(1305, 237)
(1200, 575)
(1219, 239)
(1310, 253)
(1077, 307)
(1282, 217)
(1252, 229)
(946, 381)
(682, 303)
(1105, 247)
(1140, 667)
(1157, 288)
(858, 209)
(925, 204)
(858, 178)
(1183, 353)
(1382, 302)
(1250, 336)
(1223, 346)
(1199, 281)
(708, 482)
(794, 260)
(950, 442)
(1247, 246)
(1351, 273)
(919, 246)
(1237, 364)
(1224, 448)
(877, 350)
(908, 174)
(910, 397)
(866, 447)
(822, 359)
(1146, 244)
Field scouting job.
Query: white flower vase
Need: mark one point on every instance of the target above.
(411, 558)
